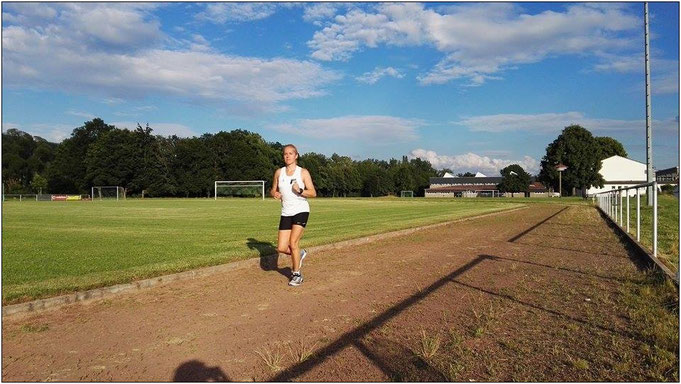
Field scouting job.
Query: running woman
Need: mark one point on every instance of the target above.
(292, 185)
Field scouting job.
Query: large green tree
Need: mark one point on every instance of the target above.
(607, 147)
(576, 148)
(240, 155)
(112, 159)
(318, 166)
(68, 171)
(24, 156)
(343, 178)
(374, 178)
(192, 167)
(153, 155)
(514, 179)
(422, 171)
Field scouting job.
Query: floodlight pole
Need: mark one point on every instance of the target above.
(649, 133)
(560, 183)
(560, 168)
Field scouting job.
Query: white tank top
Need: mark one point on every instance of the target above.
(292, 204)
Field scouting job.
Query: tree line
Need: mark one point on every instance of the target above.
(99, 154)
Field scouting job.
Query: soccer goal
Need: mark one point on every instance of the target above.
(406, 193)
(108, 192)
(239, 188)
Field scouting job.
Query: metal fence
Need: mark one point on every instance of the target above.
(612, 204)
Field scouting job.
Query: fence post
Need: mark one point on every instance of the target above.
(638, 215)
(621, 201)
(655, 219)
(627, 211)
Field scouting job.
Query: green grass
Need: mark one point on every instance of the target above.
(51, 248)
(667, 230)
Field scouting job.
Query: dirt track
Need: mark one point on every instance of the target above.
(504, 284)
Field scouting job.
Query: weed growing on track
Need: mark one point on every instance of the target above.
(34, 328)
(301, 351)
(429, 345)
(272, 357)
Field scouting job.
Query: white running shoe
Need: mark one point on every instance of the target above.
(296, 280)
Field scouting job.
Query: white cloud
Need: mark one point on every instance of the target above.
(317, 12)
(28, 13)
(478, 40)
(471, 162)
(70, 56)
(86, 115)
(220, 13)
(112, 101)
(378, 73)
(555, 122)
(163, 129)
(53, 133)
(113, 26)
(7, 126)
(664, 76)
(664, 73)
(368, 129)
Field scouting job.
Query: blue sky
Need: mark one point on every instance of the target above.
(467, 86)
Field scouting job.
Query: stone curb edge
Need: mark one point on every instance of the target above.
(99, 293)
(642, 250)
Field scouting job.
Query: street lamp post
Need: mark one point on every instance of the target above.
(560, 168)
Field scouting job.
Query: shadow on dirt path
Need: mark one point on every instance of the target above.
(268, 256)
(351, 337)
(197, 371)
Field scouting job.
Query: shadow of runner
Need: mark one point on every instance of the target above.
(269, 256)
(197, 371)
(354, 336)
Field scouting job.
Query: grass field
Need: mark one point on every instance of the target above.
(51, 248)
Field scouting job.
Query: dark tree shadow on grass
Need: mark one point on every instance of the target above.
(269, 256)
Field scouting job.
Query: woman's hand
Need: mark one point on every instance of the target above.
(296, 189)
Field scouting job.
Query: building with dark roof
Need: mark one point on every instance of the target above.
(667, 176)
(477, 187)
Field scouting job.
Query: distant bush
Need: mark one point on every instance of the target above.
(668, 189)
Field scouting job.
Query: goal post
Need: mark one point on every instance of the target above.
(243, 187)
(406, 193)
(112, 192)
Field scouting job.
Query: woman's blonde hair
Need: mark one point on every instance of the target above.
(290, 145)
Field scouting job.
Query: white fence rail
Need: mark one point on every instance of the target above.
(612, 203)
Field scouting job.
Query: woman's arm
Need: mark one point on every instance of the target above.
(309, 190)
(274, 192)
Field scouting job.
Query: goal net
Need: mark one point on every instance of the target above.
(108, 193)
(406, 193)
(240, 188)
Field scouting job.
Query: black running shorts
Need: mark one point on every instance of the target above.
(287, 222)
